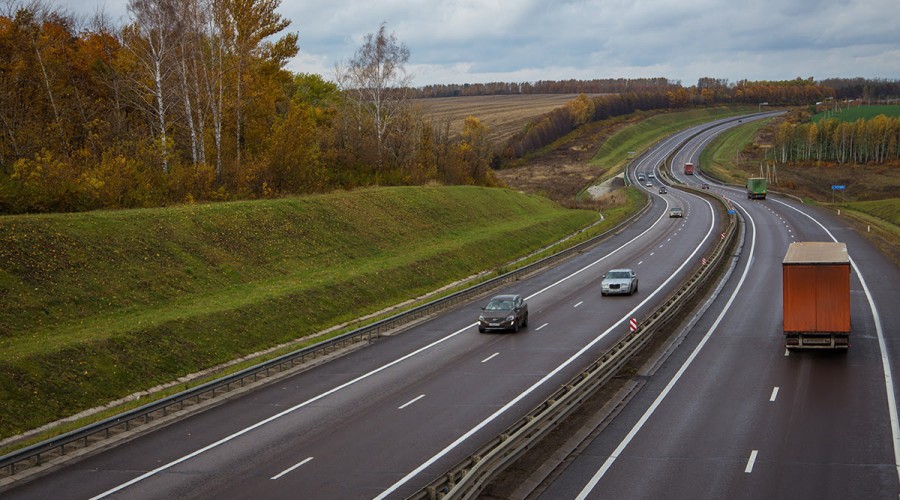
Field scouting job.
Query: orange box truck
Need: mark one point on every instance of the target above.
(816, 295)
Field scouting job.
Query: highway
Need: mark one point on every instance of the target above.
(383, 421)
(732, 414)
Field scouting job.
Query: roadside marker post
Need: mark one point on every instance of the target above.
(633, 325)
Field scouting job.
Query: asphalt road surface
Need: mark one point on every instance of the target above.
(385, 420)
(732, 414)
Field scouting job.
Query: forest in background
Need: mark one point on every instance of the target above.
(190, 101)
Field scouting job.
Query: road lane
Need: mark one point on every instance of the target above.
(827, 431)
(344, 413)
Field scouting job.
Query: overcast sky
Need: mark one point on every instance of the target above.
(480, 41)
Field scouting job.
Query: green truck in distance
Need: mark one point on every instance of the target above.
(756, 188)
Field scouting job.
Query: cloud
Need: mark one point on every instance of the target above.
(469, 41)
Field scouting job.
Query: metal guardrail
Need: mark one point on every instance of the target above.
(38, 454)
(468, 478)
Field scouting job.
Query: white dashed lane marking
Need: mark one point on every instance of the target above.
(492, 356)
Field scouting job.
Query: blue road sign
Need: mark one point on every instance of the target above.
(838, 188)
(732, 212)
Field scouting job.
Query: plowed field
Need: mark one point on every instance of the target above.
(504, 115)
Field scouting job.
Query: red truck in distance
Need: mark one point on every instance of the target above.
(688, 169)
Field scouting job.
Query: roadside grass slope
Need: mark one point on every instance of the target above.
(887, 210)
(98, 305)
(719, 158)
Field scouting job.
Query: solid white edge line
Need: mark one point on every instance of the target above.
(351, 382)
(885, 361)
(751, 461)
(665, 392)
(275, 417)
(396, 361)
(413, 400)
(774, 394)
(291, 468)
(556, 370)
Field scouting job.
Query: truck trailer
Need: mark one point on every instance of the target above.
(756, 188)
(688, 169)
(816, 296)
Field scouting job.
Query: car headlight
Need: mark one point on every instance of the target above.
(481, 318)
(511, 317)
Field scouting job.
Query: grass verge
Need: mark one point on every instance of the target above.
(99, 305)
(724, 152)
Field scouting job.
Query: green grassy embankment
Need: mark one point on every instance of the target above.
(885, 210)
(95, 306)
(879, 220)
(719, 158)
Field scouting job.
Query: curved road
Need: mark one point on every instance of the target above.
(385, 420)
(732, 414)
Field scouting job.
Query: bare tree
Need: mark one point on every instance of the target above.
(377, 79)
(211, 72)
(152, 41)
(192, 14)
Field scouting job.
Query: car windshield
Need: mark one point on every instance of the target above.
(499, 305)
(619, 275)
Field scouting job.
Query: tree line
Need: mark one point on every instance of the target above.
(870, 90)
(190, 100)
(559, 122)
(595, 86)
(874, 141)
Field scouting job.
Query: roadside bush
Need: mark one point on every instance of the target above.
(47, 183)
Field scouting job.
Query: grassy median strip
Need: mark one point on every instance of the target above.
(99, 305)
(614, 153)
(718, 159)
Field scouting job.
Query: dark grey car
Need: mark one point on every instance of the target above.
(504, 312)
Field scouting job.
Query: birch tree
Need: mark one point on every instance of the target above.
(151, 39)
(378, 81)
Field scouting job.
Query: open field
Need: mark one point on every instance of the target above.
(504, 115)
(854, 113)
